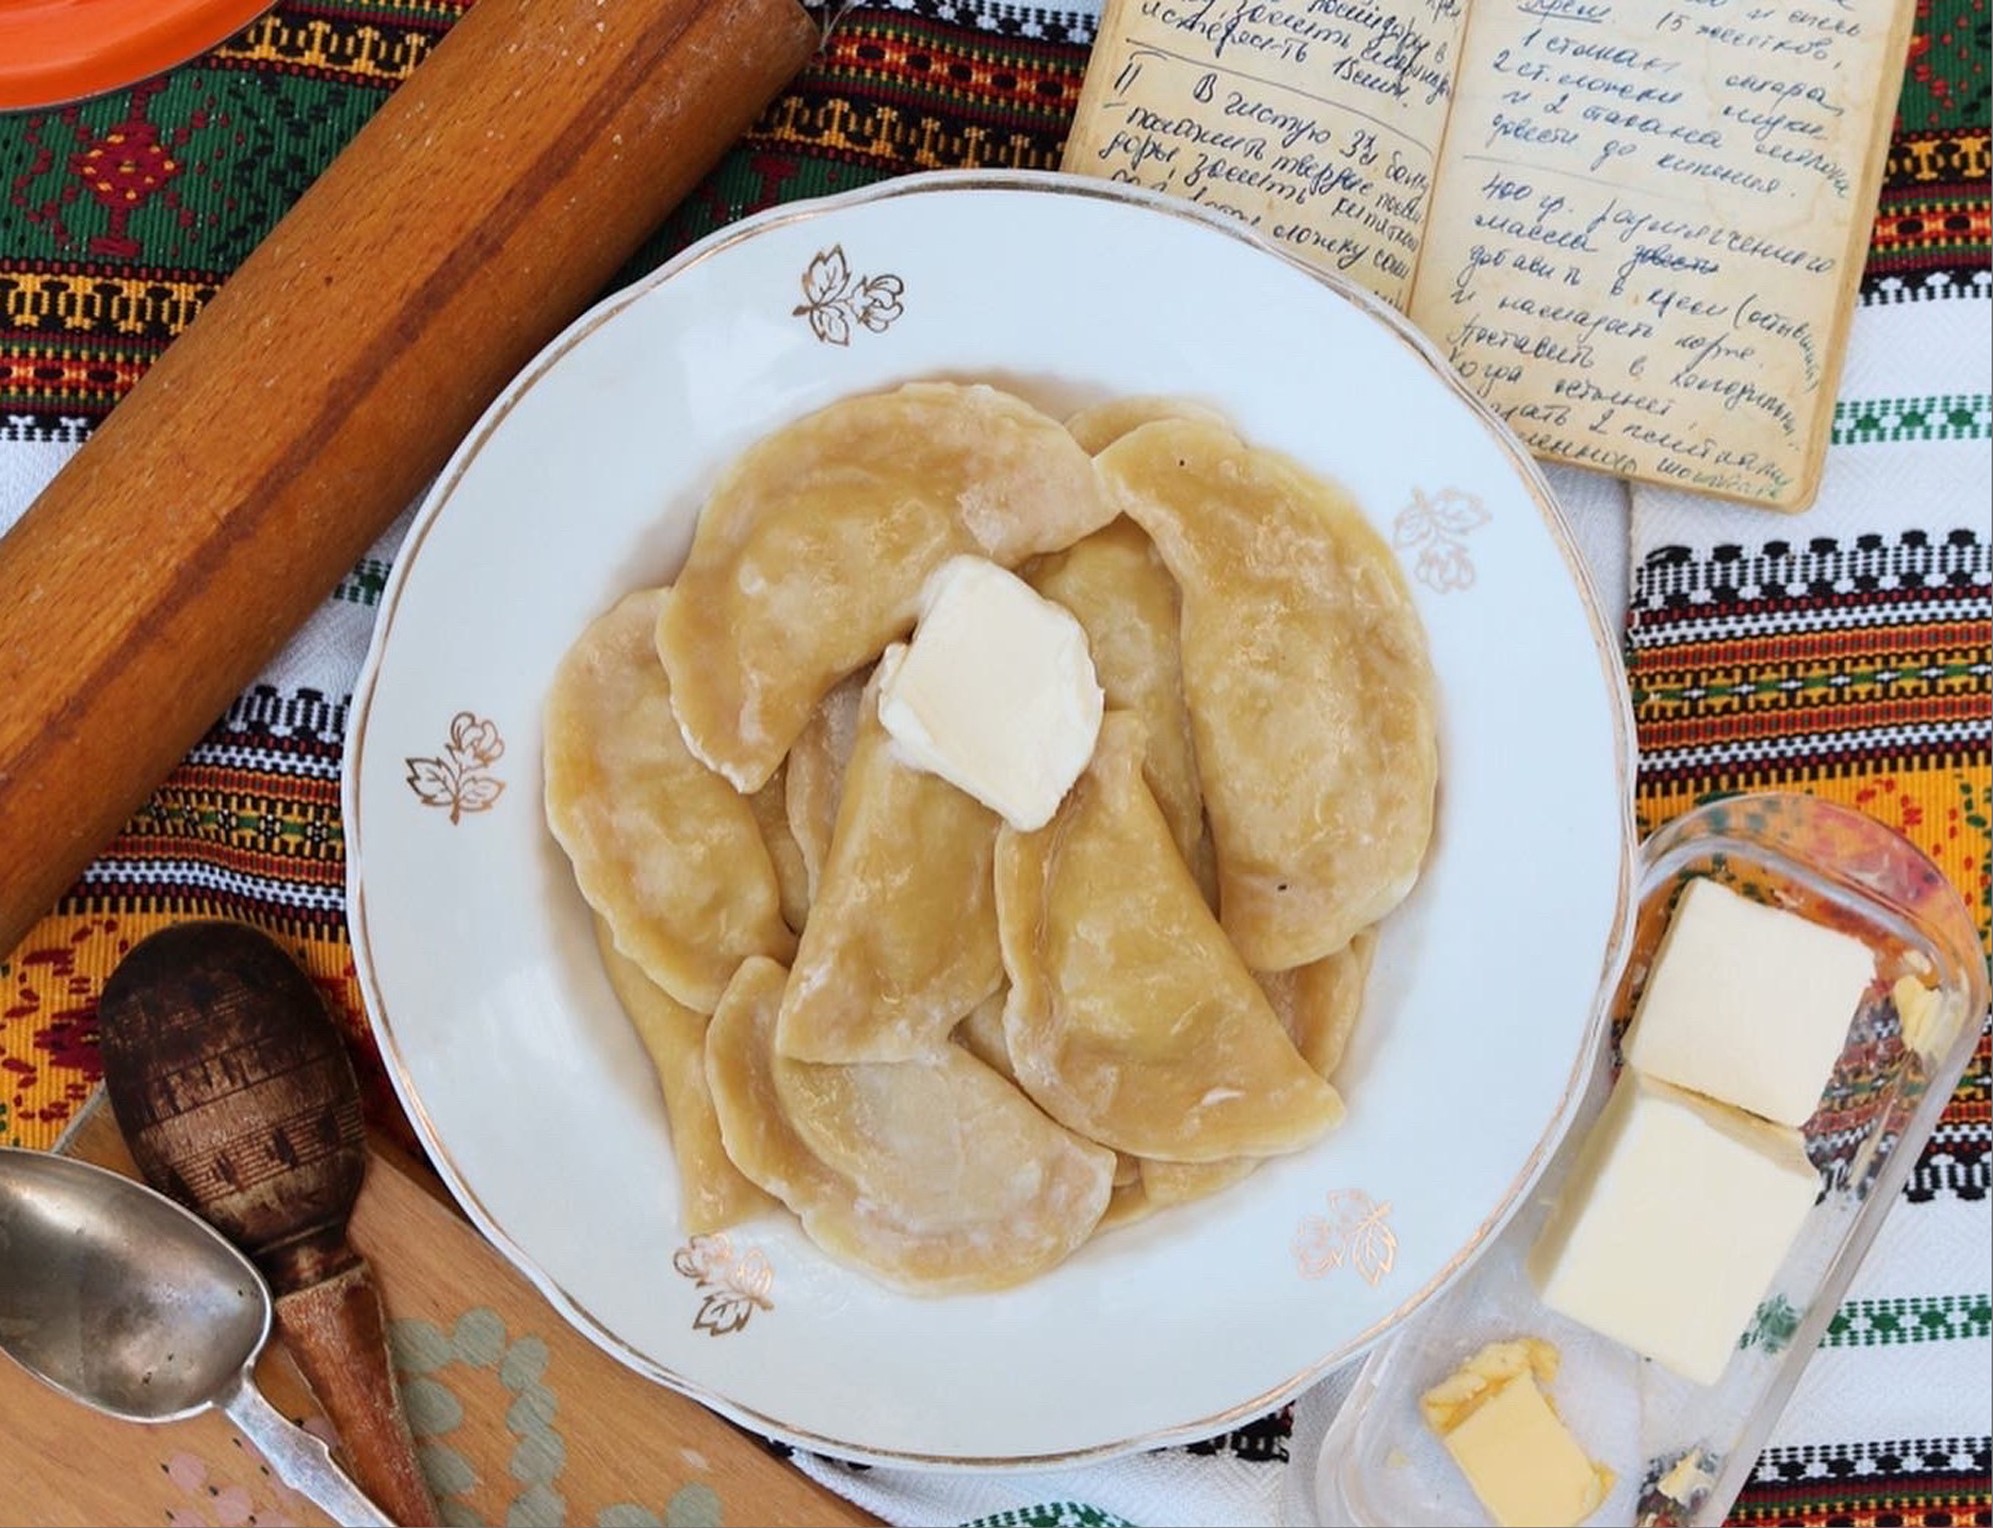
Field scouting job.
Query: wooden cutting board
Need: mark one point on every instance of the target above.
(517, 1416)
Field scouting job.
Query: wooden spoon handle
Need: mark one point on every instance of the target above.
(337, 1335)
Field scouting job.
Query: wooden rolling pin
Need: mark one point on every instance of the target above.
(491, 197)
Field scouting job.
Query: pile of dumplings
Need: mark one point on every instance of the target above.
(953, 1050)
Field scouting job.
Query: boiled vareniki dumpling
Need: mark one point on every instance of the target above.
(936, 1175)
(981, 1034)
(902, 937)
(792, 871)
(1100, 425)
(1317, 1004)
(1131, 1019)
(1170, 1183)
(712, 1193)
(811, 553)
(1311, 693)
(663, 848)
(813, 775)
(1118, 589)
(1142, 1185)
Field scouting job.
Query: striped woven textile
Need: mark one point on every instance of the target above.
(1838, 653)
(1846, 654)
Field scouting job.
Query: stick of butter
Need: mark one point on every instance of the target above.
(1671, 1223)
(1517, 1454)
(996, 692)
(1747, 1003)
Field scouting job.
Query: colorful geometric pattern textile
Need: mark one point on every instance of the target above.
(1849, 654)
(1844, 653)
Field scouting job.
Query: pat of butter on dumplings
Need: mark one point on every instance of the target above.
(995, 692)
(1747, 1003)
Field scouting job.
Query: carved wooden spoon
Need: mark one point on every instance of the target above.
(235, 1093)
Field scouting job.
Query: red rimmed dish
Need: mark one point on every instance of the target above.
(53, 52)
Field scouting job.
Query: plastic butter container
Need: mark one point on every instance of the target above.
(1683, 1451)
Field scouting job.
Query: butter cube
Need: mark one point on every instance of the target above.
(1500, 1428)
(995, 693)
(1747, 1003)
(1671, 1223)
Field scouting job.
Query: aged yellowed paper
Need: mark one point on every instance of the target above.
(1645, 240)
(1316, 122)
(1634, 226)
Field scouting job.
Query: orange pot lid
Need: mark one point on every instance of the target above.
(56, 51)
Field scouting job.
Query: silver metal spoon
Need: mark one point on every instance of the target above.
(125, 1301)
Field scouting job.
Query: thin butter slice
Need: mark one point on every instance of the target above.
(934, 1175)
(811, 553)
(663, 848)
(902, 937)
(712, 1193)
(1131, 1019)
(995, 692)
(1310, 690)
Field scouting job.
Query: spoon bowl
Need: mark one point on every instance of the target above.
(116, 1296)
(128, 1303)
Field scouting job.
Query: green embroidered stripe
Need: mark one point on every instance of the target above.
(1891, 1323)
(1949, 416)
(1052, 1514)
(364, 584)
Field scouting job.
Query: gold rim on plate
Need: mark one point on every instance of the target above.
(1049, 184)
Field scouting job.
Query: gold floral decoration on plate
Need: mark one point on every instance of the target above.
(459, 778)
(837, 301)
(1438, 525)
(734, 1285)
(1355, 1233)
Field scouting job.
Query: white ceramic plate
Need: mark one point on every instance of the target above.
(474, 948)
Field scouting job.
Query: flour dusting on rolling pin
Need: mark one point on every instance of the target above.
(484, 205)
